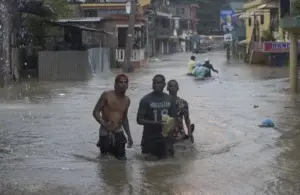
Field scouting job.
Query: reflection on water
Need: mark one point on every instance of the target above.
(115, 177)
(48, 135)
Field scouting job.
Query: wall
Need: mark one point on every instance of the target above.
(176, 10)
(262, 27)
(99, 59)
(266, 12)
(72, 65)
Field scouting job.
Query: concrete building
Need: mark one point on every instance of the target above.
(185, 15)
(112, 18)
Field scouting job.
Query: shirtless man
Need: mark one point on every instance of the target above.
(151, 109)
(182, 108)
(111, 113)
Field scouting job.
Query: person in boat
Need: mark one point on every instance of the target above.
(182, 110)
(191, 65)
(208, 65)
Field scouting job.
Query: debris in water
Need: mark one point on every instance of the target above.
(255, 106)
(267, 123)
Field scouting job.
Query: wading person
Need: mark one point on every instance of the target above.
(191, 65)
(150, 114)
(208, 65)
(182, 109)
(111, 113)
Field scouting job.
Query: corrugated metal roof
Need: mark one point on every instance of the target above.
(85, 19)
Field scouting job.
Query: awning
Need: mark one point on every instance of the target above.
(268, 5)
(244, 15)
(80, 19)
(257, 13)
(244, 42)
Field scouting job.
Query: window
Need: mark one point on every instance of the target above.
(262, 19)
(177, 11)
(90, 13)
(182, 10)
(249, 22)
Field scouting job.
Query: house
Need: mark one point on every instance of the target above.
(186, 16)
(267, 41)
(263, 17)
(114, 20)
(162, 28)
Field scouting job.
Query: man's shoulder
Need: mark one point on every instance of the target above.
(146, 97)
(167, 96)
(108, 92)
(182, 100)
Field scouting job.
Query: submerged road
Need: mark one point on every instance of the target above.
(48, 136)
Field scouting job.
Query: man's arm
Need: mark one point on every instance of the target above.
(125, 122)
(98, 108)
(186, 115)
(142, 113)
(172, 109)
(213, 69)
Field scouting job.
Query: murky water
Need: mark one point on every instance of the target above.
(48, 136)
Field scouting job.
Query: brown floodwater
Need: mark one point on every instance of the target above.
(48, 136)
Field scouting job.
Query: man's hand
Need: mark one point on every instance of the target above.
(130, 142)
(112, 126)
(191, 137)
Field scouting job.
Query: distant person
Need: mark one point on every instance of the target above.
(191, 65)
(111, 113)
(183, 113)
(152, 107)
(200, 72)
(208, 65)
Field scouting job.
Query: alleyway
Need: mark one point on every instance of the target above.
(48, 136)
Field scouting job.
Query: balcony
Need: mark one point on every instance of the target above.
(291, 23)
(163, 32)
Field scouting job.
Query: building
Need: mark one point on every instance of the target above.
(162, 29)
(185, 15)
(113, 19)
(262, 16)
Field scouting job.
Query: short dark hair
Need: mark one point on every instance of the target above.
(120, 76)
(172, 81)
(193, 57)
(162, 77)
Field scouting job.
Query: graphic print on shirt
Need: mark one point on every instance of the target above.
(159, 109)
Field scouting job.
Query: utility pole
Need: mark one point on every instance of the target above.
(127, 66)
(293, 55)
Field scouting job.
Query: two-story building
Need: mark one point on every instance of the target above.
(163, 37)
(185, 15)
(111, 16)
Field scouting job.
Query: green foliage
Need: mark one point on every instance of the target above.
(295, 7)
(37, 27)
(267, 35)
(60, 7)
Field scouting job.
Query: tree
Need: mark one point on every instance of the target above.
(296, 7)
(35, 27)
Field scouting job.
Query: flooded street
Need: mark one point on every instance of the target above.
(48, 136)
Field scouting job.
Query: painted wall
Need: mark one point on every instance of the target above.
(264, 22)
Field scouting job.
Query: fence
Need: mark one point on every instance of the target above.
(72, 65)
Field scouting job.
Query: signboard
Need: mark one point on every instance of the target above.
(226, 20)
(228, 37)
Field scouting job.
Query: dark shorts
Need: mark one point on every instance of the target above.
(157, 145)
(114, 145)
